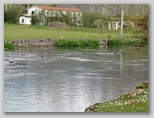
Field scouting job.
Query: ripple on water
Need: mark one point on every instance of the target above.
(80, 59)
(61, 81)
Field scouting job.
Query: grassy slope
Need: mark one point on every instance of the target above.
(16, 31)
(134, 101)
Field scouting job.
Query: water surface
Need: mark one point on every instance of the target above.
(69, 80)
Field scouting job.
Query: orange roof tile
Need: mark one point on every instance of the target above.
(59, 8)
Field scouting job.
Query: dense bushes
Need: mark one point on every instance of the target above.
(13, 11)
(123, 41)
(95, 20)
(92, 43)
(8, 46)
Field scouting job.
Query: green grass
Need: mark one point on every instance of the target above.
(17, 31)
(134, 101)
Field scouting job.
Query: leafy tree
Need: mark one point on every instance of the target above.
(94, 20)
(12, 13)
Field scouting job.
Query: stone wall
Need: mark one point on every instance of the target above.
(42, 42)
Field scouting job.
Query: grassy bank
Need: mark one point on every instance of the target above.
(17, 31)
(134, 101)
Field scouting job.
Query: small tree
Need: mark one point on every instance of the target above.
(12, 13)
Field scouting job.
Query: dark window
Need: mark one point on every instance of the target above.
(32, 12)
(22, 20)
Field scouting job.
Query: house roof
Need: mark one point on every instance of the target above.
(26, 15)
(59, 8)
(115, 19)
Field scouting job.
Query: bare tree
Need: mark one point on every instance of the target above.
(122, 20)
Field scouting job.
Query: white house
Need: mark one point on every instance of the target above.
(25, 19)
(52, 12)
(114, 24)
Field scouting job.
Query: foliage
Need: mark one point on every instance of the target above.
(94, 20)
(123, 41)
(65, 43)
(8, 46)
(142, 85)
(34, 20)
(52, 16)
(142, 22)
(11, 15)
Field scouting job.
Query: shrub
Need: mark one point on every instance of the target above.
(65, 43)
(8, 46)
(122, 41)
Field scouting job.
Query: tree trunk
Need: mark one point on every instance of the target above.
(90, 9)
(6, 7)
(122, 18)
(143, 9)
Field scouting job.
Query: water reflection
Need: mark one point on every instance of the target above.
(69, 80)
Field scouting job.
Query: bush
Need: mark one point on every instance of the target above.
(65, 43)
(95, 20)
(8, 46)
(122, 41)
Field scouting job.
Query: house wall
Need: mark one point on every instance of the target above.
(24, 20)
(77, 19)
(114, 25)
(34, 10)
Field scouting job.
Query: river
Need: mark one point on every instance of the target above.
(61, 80)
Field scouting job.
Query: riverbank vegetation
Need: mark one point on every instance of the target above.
(134, 101)
(8, 46)
(72, 36)
(123, 41)
(92, 43)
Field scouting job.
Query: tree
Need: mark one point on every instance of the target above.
(12, 13)
(122, 18)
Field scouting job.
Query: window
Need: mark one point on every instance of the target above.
(22, 20)
(32, 12)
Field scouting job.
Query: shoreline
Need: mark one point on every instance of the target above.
(133, 101)
(43, 42)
